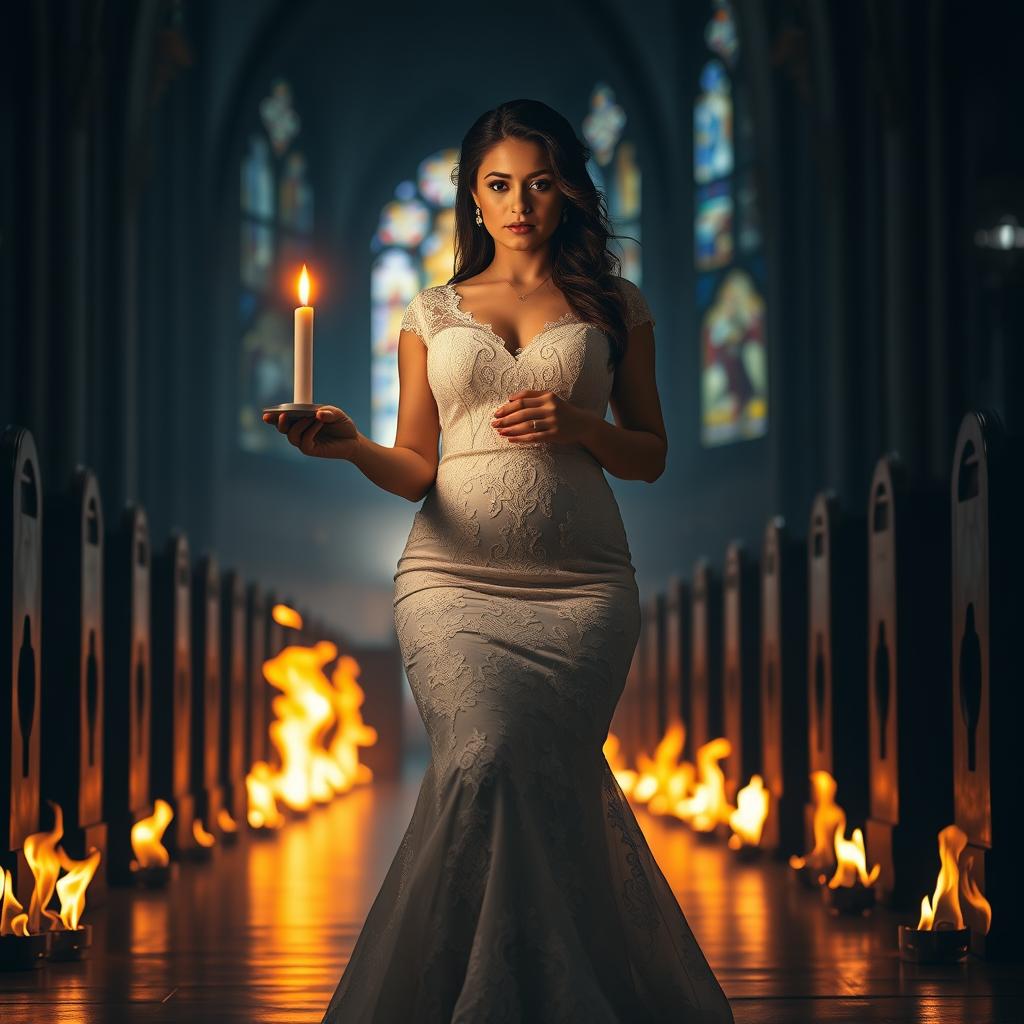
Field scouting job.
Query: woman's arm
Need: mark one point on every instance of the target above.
(410, 468)
(636, 448)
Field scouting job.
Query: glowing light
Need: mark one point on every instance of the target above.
(285, 616)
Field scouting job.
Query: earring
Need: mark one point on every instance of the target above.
(565, 216)
(479, 219)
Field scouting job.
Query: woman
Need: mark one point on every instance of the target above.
(523, 889)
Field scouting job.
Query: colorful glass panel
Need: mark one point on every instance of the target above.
(714, 226)
(712, 125)
(274, 235)
(734, 363)
(720, 35)
(257, 179)
(296, 195)
(727, 244)
(603, 126)
(279, 117)
(266, 375)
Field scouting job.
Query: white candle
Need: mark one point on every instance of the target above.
(304, 344)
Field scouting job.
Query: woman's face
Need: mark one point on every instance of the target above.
(514, 184)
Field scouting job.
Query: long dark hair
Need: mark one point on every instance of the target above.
(583, 267)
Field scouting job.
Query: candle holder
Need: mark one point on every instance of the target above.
(69, 943)
(295, 410)
(23, 952)
(849, 899)
(934, 946)
(155, 877)
(747, 853)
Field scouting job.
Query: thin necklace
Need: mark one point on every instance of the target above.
(523, 298)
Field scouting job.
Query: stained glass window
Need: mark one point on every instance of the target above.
(413, 246)
(728, 254)
(615, 171)
(712, 124)
(276, 207)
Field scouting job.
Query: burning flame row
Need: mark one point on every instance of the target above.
(317, 730)
(696, 794)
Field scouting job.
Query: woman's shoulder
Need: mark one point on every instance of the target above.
(422, 312)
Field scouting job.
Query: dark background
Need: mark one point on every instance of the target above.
(887, 134)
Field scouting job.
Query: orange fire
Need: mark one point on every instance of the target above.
(259, 785)
(41, 854)
(71, 887)
(285, 616)
(225, 822)
(351, 732)
(748, 819)
(199, 833)
(45, 859)
(147, 835)
(317, 730)
(13, 919)
(612, 750)
(975, 898)
(851, 861)
(828, 817)
(707, 807)
(663, 781)
(304, 286)
(944, 909)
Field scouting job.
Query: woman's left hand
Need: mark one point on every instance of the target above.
(556, 419)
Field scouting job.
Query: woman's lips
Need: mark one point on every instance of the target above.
(520, 229)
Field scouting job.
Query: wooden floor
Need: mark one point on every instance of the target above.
(262, 933)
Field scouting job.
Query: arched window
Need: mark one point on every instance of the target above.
(727, 244)
(276, 207)
(413, 246)
(615, 171)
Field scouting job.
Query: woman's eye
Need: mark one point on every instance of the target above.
(540, 181)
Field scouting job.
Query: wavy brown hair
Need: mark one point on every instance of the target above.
(583, 267)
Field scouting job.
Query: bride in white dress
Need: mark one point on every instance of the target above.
(523, 889)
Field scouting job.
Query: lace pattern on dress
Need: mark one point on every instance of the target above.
(523, 888)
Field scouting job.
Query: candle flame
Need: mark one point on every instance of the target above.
(304, 286)
(285, 616)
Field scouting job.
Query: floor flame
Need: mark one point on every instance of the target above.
(748, 819)
(147, 837)
(317, 730)
(828, 818)
(664, 780)
(13, 919)
(851, 862)
(708, 807)
(45, 860)
(944, 909)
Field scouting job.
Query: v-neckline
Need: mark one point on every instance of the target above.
(567, 317)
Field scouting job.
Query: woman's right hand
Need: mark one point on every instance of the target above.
(330, 434)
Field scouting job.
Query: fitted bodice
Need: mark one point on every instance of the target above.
(471, 371)
(509, 510)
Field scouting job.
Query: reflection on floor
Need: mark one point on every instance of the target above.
(263, 932)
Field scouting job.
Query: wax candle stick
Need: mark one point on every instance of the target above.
(304, 343)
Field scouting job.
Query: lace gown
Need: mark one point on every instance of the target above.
(523, 889)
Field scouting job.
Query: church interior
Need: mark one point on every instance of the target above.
(213, 750)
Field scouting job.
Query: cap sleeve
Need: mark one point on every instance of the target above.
(637, 310)
(413, 319)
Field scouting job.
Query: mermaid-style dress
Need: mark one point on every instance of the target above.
(523, 889)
